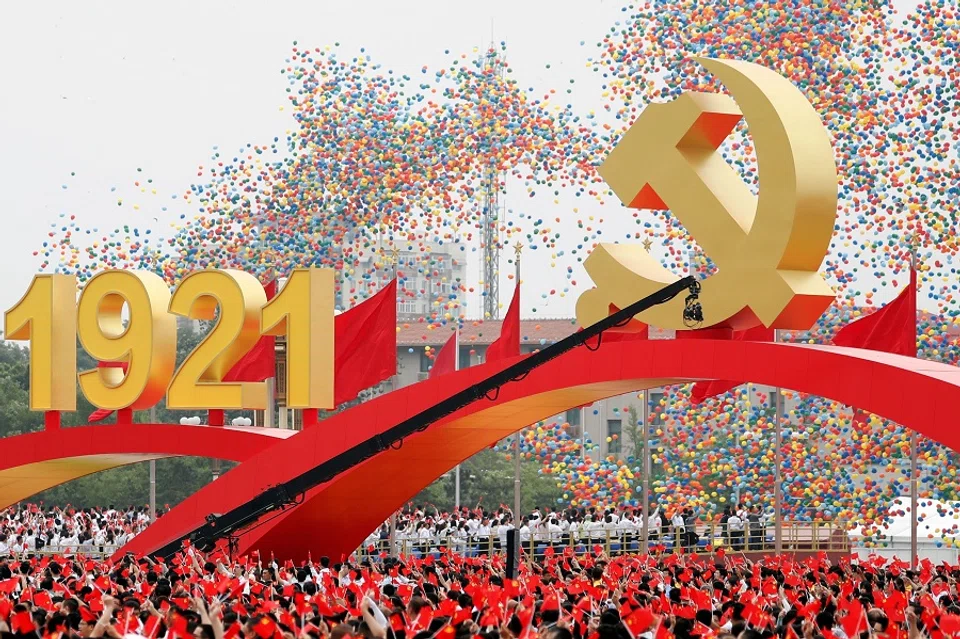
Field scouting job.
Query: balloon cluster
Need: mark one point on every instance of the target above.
(586, 479)
(380, 161)
(885, 87)
(380, 165)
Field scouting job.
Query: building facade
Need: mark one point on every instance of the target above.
(428, 282)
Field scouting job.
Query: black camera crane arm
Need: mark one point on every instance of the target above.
(291, 492)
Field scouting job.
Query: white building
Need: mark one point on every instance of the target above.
(428, 282)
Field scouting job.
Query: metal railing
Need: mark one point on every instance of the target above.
(816, 536)
(94, 552)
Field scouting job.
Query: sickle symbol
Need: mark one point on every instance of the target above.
(768, 248)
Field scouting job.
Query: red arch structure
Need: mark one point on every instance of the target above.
(38, 461)
(335, 517)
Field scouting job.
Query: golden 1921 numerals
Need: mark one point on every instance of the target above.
(129, 317)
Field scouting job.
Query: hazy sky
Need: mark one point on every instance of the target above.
(102, 88)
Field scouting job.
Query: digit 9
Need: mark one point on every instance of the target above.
(147, 343)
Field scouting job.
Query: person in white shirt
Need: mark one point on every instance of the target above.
(472, 524)
(655, 525)
(459, 538)
(502, 532)
(679, 529)
(424, 538)
(627, 530)
(525, 532)
(735, 526)
(69, 543)
(30, 541)
(484, 542)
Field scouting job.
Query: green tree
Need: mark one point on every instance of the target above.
(16, 418)
(633, 449)
(177, 478)
(632, 433)
(486, 479)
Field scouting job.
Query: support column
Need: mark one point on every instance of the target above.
(914, 549)
(456, 487)
(268, 414)
(777, 465)
(516, 477)
(645, 538)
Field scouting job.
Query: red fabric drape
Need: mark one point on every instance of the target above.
(446, 360)
(365, 344)
(508, 344)
(892, 329)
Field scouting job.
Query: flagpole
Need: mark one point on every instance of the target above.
(777, 462)
(583, 433)
(516, 440)
(392, 539)
(153, 474)
(913, 499)
(456, 367)
(269, 420)
(914, 548)
(646, 474)
(645, 535)
(395, 261)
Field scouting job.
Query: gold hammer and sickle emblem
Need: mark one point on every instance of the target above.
(767, 248)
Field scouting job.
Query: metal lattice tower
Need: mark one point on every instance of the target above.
(493, 63)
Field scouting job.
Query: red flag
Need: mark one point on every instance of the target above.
(712, 388)
(365, 344)
(950, 624)
(42, 600)
(856, 620)
(265, 628)
(446, 359)
(638, 621)
(508, 344)
(102, 413)
(892, 329)
(152, 627)
(22, 623)
(422, 622)
(260, 361)
(551, 601)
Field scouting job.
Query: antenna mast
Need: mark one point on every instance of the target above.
(495, 65)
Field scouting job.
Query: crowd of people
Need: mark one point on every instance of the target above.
(419, 529)
(32, 528)
(565, 595)
(425, 529)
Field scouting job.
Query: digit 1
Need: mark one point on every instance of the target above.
(147, 343)
(46, 315)
(303, 311)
